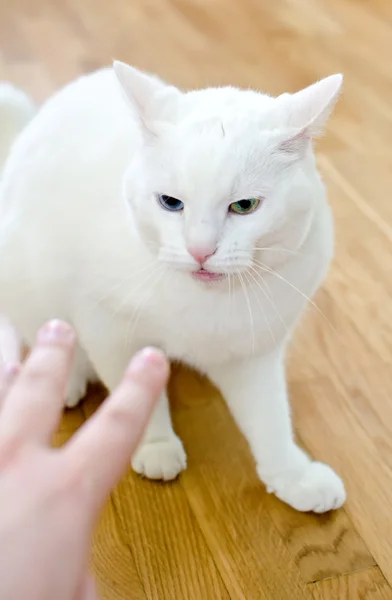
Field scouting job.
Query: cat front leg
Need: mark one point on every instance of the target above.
(255, 391)
(160, 454)
(82, 373)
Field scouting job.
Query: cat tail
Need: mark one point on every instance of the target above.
(11, 347)
(16, 110)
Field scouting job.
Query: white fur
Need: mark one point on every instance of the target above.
(16, 110)
(83, 238)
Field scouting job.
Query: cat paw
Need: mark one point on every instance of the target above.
(317, 488)
(161, 459)
(76, 391)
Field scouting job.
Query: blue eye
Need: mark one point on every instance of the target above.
(170, 203)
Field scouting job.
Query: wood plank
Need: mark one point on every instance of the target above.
(112, 561)
(364, 585)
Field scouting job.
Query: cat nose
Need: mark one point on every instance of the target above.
(201, 254)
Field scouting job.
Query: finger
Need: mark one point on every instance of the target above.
(100, 451)
(88, 590)
(33, 406)
(8, 374)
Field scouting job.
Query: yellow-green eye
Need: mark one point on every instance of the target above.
(243, 207)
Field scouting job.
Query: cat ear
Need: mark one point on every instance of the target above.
(308, 110)
(151, 99)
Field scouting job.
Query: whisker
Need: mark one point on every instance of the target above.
(229, 315)
(267, 269)
(287, 250)
(151, 243)
(262, 308)
(268, 296)
(250, 311)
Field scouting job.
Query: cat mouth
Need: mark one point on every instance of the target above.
(203, 275)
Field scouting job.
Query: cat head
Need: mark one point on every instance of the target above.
(223, 172)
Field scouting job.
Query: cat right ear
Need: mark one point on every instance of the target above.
(307, 111)
(152, 100)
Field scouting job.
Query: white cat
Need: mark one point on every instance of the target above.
(195, 222)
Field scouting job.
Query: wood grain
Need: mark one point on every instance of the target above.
(216, 534)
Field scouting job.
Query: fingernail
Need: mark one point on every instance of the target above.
(55, 331)
(149, 357)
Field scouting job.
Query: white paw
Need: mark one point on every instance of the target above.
(316, 488)
(76, 391)
(163, 459)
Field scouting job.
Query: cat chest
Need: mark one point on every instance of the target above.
(204, 335)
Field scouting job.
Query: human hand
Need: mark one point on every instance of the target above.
(50, 498)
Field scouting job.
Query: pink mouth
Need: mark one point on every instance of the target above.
(203, 275)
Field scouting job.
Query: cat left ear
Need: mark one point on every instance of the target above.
(308, 110)
(152, 99)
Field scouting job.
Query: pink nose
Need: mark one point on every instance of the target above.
(200, 255)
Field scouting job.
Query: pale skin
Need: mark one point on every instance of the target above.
(51, 498)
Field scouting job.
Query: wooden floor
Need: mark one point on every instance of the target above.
(215, 534)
